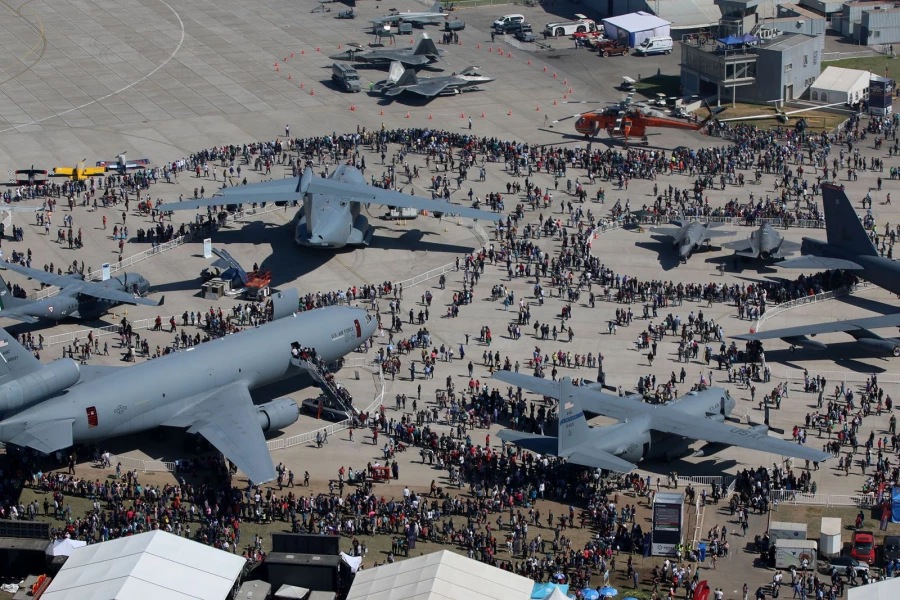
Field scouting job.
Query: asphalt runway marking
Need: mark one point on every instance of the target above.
(119, 91)
(42, 39)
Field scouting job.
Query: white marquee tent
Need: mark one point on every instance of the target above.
(64, 547)
(634, 28)
(155, 564)
(837, 84)
(440, 575)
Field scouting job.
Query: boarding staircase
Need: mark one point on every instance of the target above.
(332, 398)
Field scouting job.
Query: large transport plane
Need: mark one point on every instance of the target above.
(848, 248)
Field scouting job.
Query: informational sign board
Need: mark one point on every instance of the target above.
(105, 272)
(668, 520)
(207, 248)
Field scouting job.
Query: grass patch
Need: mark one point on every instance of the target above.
(670, 85)
(812, 516)
(874, 64)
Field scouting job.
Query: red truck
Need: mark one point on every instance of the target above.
(863, 547)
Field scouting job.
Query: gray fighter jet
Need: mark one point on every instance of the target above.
(405, 80)
(764, 243)
(423, 53)
(644, 430)
(331, 216)
(689, 235)
(78, 298)
(848, 248)
(205, 388)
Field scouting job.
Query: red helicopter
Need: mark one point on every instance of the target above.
(625, 119)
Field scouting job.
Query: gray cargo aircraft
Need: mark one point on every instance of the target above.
(205, 388)
(78, 298)
(331, 216)
(847, 247)
(764, 243)
(405, 80)
(423, 53)
(418, 18)
(645, 431)
(690, 235)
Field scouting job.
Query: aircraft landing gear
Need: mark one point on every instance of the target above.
(792, 349)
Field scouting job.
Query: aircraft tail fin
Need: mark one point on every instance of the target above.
(842, 225)
(285, 303)
(573, 427)
(426, 47)
(7, 300)
(15, 360)
(400, 76)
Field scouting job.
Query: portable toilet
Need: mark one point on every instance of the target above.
(830, 538)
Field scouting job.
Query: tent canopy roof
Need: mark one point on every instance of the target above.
(838, 79)
(436, 576)
(637, 21)
(155, 565)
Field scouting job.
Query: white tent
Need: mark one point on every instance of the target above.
(634, 28)
(889, 589)
(155, 565)
(292, 592)
(64, 547)
(836, 84)
(556, 594)
(439, 575)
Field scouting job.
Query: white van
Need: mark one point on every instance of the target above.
(506, 19)
(655, 45)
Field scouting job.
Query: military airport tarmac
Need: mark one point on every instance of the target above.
(163, 80)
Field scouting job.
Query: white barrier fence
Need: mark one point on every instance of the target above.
(775, 222)
(845, 376)
(145, 466)
(793, 498)
(777, 309)
(705, 480)
(476, 229)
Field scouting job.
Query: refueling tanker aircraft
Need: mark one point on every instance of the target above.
(848, 248)
(644, 430)
(331, 216)
(205, 389)
(77, 298)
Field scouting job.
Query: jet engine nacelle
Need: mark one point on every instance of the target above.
(880, 345)
(278, 414)
(710, 448)
(40, 385)
(804, 342)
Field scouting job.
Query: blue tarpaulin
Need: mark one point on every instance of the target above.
(731, 40)
(895, 505)
(542, 590)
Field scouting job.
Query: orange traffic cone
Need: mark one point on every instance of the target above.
(285, 58)
(538, 109)
(554, 102)
(509, 55)
(565, 96)
(462, 115)
(509, 113)
(303, 52)
(301, 86)
(482, 114)
(479, 46)
(407, 115)
(491, 49)
(570, 90)
(554, 76)
(529, 61)
(318, 49)
(352, 107)
(289, 76)
(292, 55)
(277, 69)
(430, 117)
(276, 64)
(382, 112)
(565, 82)
(312, 92)
(545, 69)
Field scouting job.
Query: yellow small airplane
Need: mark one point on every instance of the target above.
(79, 172)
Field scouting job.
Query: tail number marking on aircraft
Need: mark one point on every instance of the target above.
(92, 417)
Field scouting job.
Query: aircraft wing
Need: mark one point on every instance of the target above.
(689, 426)
(820, 262)
(881, 321)
(541, 444)
(11, 313)
(788, 247)
(598, 459)
(46, 277)
(227, 418)
(46, 437)
(714, 233)
(62, 172)
(742, 248)
(98, 290)
(373, 195)
(428, 89)
(672, 232)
